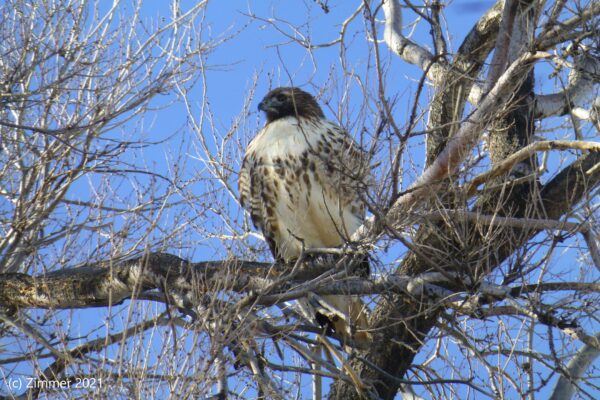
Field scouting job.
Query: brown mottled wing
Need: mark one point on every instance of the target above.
(306, 190)
(258, 198)
(346, 168)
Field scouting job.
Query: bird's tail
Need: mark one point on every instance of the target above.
(346, 316)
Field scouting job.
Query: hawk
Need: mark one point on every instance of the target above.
(300, 183)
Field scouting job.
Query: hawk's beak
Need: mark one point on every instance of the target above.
(268, 105)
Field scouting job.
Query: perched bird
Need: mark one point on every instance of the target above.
(300, 181)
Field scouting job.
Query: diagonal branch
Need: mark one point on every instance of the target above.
(508, 163)
(456, 150)
(566, 384)
(394, 352)
(582, 79)
(437, 70)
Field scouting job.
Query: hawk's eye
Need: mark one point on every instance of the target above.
(281, 97)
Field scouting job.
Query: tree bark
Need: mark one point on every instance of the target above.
(401, 323)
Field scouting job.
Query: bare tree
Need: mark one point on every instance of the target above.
(470, 292)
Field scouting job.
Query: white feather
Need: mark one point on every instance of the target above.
(312, 217)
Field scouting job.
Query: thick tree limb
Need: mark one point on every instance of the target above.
(455, 151)
(393, 353)
(105, 283)
(406, 49)
(504, 43)
(437, 71)
(97, 285)
(582, 79)
(108, 283)
(566, 384)
(459, 82)
(526, 152)
(100, 285)
(464, 140)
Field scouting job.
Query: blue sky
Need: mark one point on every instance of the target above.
(254, 53)
(258, 53)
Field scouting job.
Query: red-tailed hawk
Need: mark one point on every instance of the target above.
(299, 181)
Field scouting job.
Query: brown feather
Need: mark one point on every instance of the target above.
(300, 180)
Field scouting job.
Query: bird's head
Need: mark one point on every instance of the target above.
(289, 101)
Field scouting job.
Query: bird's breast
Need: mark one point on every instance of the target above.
(307, 206)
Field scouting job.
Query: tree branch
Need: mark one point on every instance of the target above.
(110, 282)
(558, 196)
(406, 49)
(526, 152)
(566, 384)
(457, 148)
(582, 79)
(437, 70)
